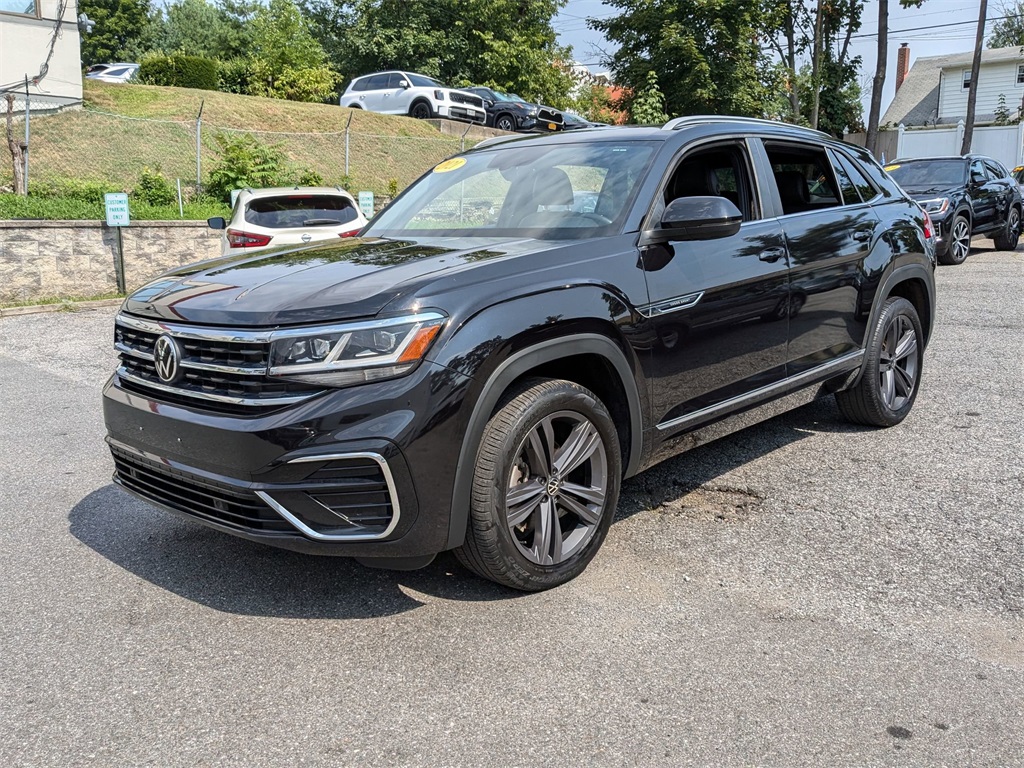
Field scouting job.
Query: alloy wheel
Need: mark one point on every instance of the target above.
(1013, 225)
(960, 241)
(505, 123)
(898, 364)
(557, 488)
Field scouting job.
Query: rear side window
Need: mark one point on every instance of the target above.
(361, 84)
(865, 189)
(377, 82)
(300, 211)
(803, 176)
(995, 170)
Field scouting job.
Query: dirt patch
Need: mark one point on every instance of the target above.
(722, 504)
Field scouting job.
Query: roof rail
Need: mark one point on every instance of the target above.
(682, 122)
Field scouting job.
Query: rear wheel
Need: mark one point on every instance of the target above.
(1007, 238)
(545, 487)
(892, 369)
(958, 245)
(421, 110)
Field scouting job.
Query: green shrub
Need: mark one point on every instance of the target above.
(179, 70)
(36, 207)
(79, 190)
(315, 84)
(245, 162)
(310, 178)
(154, 189)
(235, 76)
(392, 188)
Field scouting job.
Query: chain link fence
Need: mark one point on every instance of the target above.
(90, 146)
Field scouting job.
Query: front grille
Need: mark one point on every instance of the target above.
(196, 496)
(460, 98)
(218, 372)
(550, 116)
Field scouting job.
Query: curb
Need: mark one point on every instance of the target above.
(61, 306)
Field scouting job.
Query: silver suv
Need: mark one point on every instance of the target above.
(406, 93)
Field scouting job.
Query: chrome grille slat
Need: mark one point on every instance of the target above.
(220, 369)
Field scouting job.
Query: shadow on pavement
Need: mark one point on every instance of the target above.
(237, 576)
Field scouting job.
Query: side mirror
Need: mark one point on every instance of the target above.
(977, 178)
(697, 218)
(217, 222)
(488, 103)
(403, 84)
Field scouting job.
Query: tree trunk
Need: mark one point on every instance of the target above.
(878, 82)
(794, 96)
(816, 68)
(13, 144)
(972, 93)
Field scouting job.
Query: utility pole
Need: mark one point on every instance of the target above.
(878, 82)
(972, 93)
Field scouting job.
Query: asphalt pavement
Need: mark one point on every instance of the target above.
(802, 593)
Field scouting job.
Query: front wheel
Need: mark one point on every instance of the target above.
(1007, 238)
(421, 111)
(505, 122)
(545, 487)
(958, 244)
(892, 369)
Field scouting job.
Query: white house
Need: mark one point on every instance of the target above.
(934, 90)
(27, 28)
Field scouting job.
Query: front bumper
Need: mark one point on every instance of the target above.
(366, 471)
(464, 113)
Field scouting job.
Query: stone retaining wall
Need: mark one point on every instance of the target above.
(56, 259)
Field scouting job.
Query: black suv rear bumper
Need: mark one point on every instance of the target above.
(351, 472)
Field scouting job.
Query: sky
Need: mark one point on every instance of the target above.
(958, 17)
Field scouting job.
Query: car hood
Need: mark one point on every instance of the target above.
(930, 191)
(320, 283)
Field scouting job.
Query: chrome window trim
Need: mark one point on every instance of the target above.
(307, 531)
(123, 373)
(837, 366)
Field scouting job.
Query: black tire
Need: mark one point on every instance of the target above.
(891, 377)
(421, 110)
(505, 122)
(1007, 238)
(519, 456)
(957, 248)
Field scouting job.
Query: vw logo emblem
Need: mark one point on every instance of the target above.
(166, 359)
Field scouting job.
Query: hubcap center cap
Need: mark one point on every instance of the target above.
(554, 485)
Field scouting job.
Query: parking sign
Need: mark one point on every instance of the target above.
(116, 204)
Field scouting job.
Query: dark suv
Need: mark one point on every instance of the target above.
(508, 112)
(965, 196)
(483, 366)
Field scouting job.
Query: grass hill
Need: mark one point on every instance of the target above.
(124, 129)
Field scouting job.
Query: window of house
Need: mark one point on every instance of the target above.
(26, 7)
(967, 79)
(1020, 74)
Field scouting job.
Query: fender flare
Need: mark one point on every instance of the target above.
(510, 370)
(898, 275)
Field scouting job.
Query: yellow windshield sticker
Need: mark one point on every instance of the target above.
(450, 165)
(891, 167)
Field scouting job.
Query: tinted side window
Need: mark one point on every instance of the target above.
(377, 82)
(864, 187)
(720, 171)
(995, 170)
(360, 84)
(803, 176)
(850, 194)
(395, 80)
(978, 167)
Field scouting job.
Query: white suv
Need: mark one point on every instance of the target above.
(265, 218)
(406, 93)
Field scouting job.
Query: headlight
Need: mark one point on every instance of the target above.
(354, 353)
(532, 111)
(938, 205)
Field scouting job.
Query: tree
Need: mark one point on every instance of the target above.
(707, 54)
(195, 28)
(878, 82)
(648, 107)
(1009, 30)
(124, 30)
(287, 61)
(506, 44)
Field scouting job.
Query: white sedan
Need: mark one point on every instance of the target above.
(267, 218)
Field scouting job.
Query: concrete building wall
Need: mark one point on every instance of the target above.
(24, 43)
(59, 259)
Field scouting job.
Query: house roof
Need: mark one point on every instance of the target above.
(917, 100)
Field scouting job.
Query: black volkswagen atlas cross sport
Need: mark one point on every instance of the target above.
(963, 196)
(484, 365)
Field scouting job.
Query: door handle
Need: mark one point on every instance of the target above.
(862, 235)
(772, 255)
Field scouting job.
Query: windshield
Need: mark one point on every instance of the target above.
(424, 82)
(935, 174)
(505, 97)
(522, 191)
